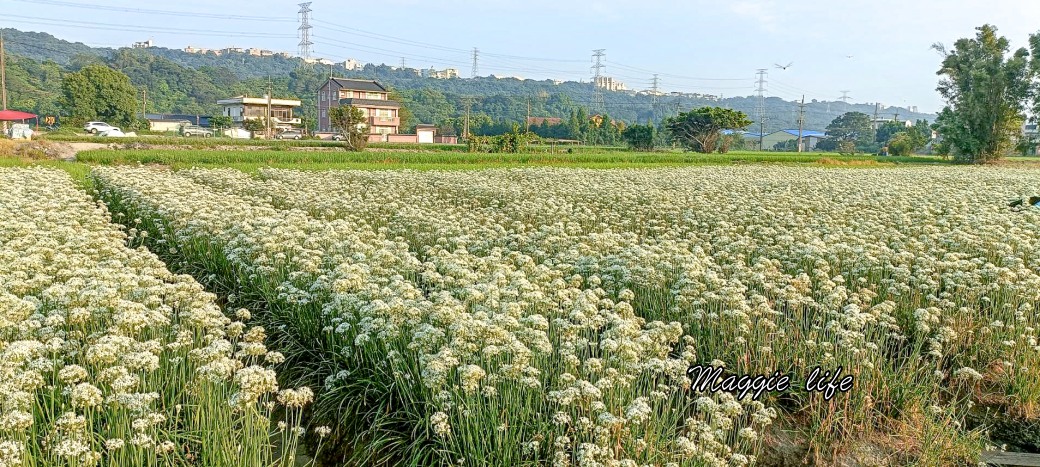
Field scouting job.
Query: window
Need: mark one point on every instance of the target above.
(374, 95)
(323, 113)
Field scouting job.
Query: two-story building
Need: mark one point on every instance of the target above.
(381, 113)
(242, 108)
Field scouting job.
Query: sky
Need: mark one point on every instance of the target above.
(878, 51)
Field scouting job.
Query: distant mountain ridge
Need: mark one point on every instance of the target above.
(190, 83)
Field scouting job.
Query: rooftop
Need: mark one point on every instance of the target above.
(358, 84)
(259, 101)
(369, 102)
(805, 133)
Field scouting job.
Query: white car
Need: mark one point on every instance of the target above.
(97, 127)
(112, 133)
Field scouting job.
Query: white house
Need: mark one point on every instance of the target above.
(242, 108)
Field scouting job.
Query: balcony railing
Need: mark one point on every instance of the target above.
(384, 121)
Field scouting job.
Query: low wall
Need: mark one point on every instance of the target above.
(402, 138)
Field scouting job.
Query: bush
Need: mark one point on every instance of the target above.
(901, 144)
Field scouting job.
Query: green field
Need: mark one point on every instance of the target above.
(463, 160)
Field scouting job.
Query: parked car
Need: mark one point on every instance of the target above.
(195, 130)
(112, 133)
(97, 127)
(339, 137)
(290, 134)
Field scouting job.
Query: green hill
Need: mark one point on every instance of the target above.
(181, 82)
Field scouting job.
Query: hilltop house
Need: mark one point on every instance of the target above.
(372, 98)
(242, 108)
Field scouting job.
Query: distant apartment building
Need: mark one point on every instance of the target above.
(144, 45)
(447, 73)
(242, 108)
(259, 52)
(381, 114)
(608, 83)
(352, 65)
(234, 50)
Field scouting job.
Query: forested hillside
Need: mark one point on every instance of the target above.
(180, 82)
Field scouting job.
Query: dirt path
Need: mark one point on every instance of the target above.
(80, 147)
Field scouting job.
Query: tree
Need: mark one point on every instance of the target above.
(220, 123)
(734, 140)
(640, 137)
(255, 125)
(887, 130)
(901, 144)
(986, 93)
(852, 127)
(98, 92)
(350, 122)
(701, 129)
(790, 145)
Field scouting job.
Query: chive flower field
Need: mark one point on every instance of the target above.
(532, 316)
(527, 317)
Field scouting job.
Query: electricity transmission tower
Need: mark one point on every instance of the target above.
(760, 108)
(305, 30)
(476, 55)
(597, 97)
(845, 100)
(653, 97)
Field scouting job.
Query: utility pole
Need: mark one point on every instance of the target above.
(760, 109)
(597, 67)
(3, 73)
(465, 126)
(801, 121)
(874, 126)
(305, 30)
(144, 104)
(529, 114)
(896, 118)
(476, 55)
(3, 77)
(270, 90)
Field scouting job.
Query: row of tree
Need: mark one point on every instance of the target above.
(988, 93)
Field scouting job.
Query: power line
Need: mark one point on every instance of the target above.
(674, 76)
(154, 12)
(123, 27)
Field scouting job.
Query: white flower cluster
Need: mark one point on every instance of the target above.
(101, 345)
(552, 313)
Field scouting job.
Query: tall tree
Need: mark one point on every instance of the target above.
(986, 91)
(98, 92)
(886, 130)
(640, 137)
(701, 129)
(350, 122)
(851, 127)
